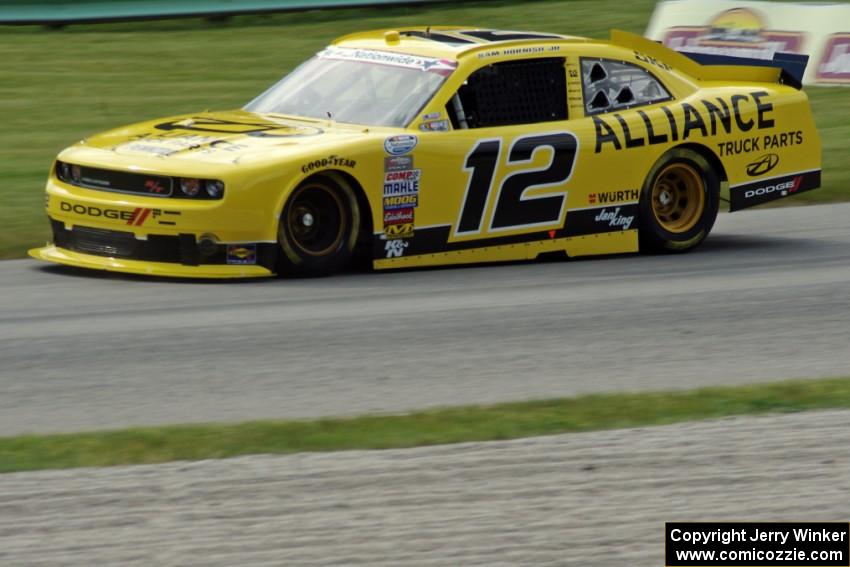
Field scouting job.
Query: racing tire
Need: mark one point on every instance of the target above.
(678, 203)
(318, 228)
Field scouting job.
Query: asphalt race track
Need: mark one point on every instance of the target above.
(584, 499)
(767, 297)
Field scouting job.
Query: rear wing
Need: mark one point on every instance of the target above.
(791, 65)
(784, 68)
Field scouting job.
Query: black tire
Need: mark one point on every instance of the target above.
(318, 228)
(678, 202)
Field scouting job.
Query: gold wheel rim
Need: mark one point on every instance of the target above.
(323, 208)
(678, 198)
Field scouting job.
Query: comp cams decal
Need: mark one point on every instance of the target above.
(766, 190)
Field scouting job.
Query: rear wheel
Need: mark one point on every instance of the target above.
(678, 203)
(318, 228)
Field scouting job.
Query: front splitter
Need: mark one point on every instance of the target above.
(51, 253)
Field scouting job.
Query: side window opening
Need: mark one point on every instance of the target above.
(615, 85)
(511, 92)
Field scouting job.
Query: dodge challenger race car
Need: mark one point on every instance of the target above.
(441, 145)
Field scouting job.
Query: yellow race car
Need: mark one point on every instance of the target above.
(441, 145)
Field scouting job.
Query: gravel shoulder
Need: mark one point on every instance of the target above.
(583, 499)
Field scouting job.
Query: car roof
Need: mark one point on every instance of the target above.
(448, 42)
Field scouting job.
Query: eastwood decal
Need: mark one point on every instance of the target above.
(400, 145)
(399, 163)
(136, 217)
(835, 63)
(752, 194)
(738, 32)
(763, 165)
(401, 202)
(398, 216)
(613, 196)
(726, 112)
(614, 218)
(330, 161)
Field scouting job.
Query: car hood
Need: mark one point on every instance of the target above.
(222, 137)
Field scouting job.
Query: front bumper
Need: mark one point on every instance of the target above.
(178, 255)
(52, 253)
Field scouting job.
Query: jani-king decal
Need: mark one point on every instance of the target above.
(614, 218)
(400, 145)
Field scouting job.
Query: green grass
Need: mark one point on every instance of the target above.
(455, 425)
(59, 86)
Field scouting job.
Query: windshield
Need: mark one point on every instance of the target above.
(359, 86)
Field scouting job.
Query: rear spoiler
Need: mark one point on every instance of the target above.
(792, 66)
(785, 68)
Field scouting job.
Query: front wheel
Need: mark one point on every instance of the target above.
(678, 203)
(318, 228)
